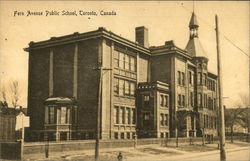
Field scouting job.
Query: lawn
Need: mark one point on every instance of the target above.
(195, 148)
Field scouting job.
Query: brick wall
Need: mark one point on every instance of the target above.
(38, 86)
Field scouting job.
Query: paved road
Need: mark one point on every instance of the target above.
(240, 155)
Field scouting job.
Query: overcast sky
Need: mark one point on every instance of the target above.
(164, 20)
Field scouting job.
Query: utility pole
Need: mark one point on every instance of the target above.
(221, 108)
(22, 137)
(98, 117)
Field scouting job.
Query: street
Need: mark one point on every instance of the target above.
(231, 155)
(239, 155)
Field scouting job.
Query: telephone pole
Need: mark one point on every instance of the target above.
(97, 143)
(98, 117)
(221, 108)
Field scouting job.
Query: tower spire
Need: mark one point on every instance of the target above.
(193, 26)
(193, 6)
(194, 46)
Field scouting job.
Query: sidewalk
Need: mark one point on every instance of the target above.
(153, 152)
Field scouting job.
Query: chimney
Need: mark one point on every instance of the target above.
(141, 36)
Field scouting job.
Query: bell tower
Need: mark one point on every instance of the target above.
(193, 27)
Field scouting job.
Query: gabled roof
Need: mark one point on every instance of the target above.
(195, 49)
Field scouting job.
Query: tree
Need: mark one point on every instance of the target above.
(14, 93)
(233, 116)
(3, 94)
(10, 93)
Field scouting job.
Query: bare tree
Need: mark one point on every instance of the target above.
(237, 115)
(3, 94)
(233, 116)
(14, 93)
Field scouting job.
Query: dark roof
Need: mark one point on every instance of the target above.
(194, 48)
(193, 23)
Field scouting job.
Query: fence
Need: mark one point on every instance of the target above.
(13, 149)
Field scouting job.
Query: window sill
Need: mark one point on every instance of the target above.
(130, 97)
(57, 124)
(163, 107)
(127, 125)
(125, 70)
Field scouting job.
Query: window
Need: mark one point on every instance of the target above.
(199, 100)
(127, 62)
(121, 87)
(179, 77)
(192, 99)
(133, 116)
(132, 64)
(52, 115)
(127, 86)
(127, 117)
(116, 58)
(166, 119)
(146, 100)
(63, 115)
(183, 78)
(122, 135)
(205, 79)
(132, 88)
(199, 78)
(161, 100)
(162, 119)
(116, 135)
(121, 118)
(123, 115)
(183, 100)
(116, 115)
(205, 100)
(124, 61)
(190, 77)
(116, 86)
(121, 60)
(179, 100)
(166, 101)
(128, 135)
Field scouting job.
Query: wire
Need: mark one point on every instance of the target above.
(236, 46)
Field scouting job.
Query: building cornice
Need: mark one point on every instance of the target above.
(76, 37)
(163, 50)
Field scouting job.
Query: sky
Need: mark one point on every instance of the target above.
(165, 21)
